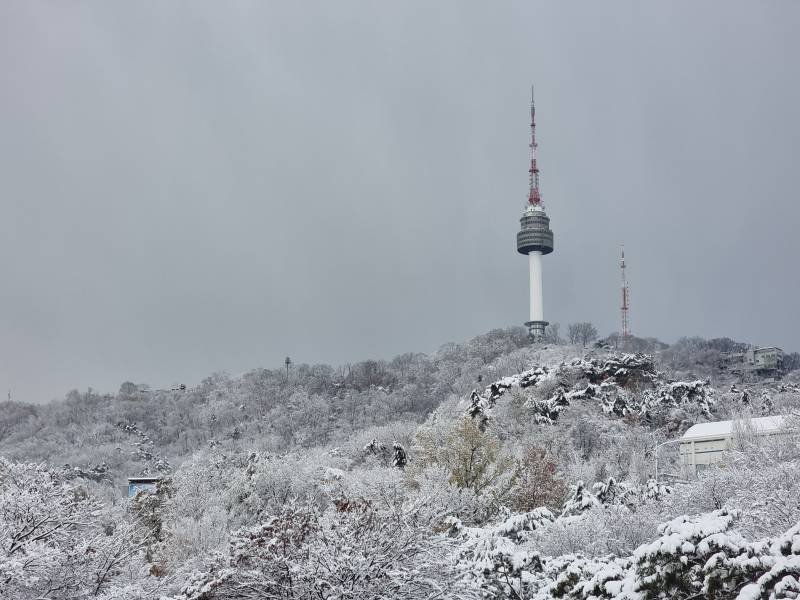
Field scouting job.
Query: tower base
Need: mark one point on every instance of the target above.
(536, 329)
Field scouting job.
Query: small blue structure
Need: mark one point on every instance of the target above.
(144, 484)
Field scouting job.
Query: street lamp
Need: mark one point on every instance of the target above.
(655, 452)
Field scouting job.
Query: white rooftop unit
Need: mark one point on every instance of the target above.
(704, 443)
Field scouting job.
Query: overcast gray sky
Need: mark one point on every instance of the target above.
(188, 187)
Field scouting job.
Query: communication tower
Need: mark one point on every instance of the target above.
(535, 238)
(626, 329)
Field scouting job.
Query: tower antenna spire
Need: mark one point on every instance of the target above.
(534, 197)
(626, 330)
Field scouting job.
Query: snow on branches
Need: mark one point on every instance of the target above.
(99, 473)
(623, 370)
(490, 557)
(693, 557)
(145, 450)
(522, 380)
(612, 493)
(400, 458)
(545, 412)
(680, 393)
(621, 384)
(56, 541)
(397, 455)
(351, 551)
(773, 567)
(579, 500)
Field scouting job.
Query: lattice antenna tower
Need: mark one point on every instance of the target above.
(626, 328)
(534, 197)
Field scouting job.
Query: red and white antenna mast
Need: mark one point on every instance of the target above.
(534, 198)
(626, 330)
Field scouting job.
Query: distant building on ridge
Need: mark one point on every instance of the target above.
(765, 362)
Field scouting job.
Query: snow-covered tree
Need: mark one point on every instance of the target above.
(400, 458)
(579, 500)
(350, 552)
(472, 456)
(766, 403)
(56, 540)
(536, 482)
(581, 333)
(478, 410)
(692, 557)
(491, 559)
(613, 492)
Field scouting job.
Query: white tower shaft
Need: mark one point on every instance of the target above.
(537, 308)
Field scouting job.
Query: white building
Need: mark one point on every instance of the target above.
(705, 443)
(765, 362)
(768, 358)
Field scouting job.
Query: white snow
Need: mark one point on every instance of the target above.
(727, 428)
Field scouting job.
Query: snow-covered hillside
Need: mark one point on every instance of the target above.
(491, 469)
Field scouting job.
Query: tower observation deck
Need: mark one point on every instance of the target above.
(535, 238)
(534, 231)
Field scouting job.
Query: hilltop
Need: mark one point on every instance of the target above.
(140, 430)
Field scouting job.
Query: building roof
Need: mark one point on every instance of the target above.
(144, 478)
(727, 428)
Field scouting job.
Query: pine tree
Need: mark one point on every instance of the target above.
(400, 458)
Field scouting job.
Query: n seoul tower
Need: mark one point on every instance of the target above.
(535, 238)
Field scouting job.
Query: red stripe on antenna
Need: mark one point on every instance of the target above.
(534, 197)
